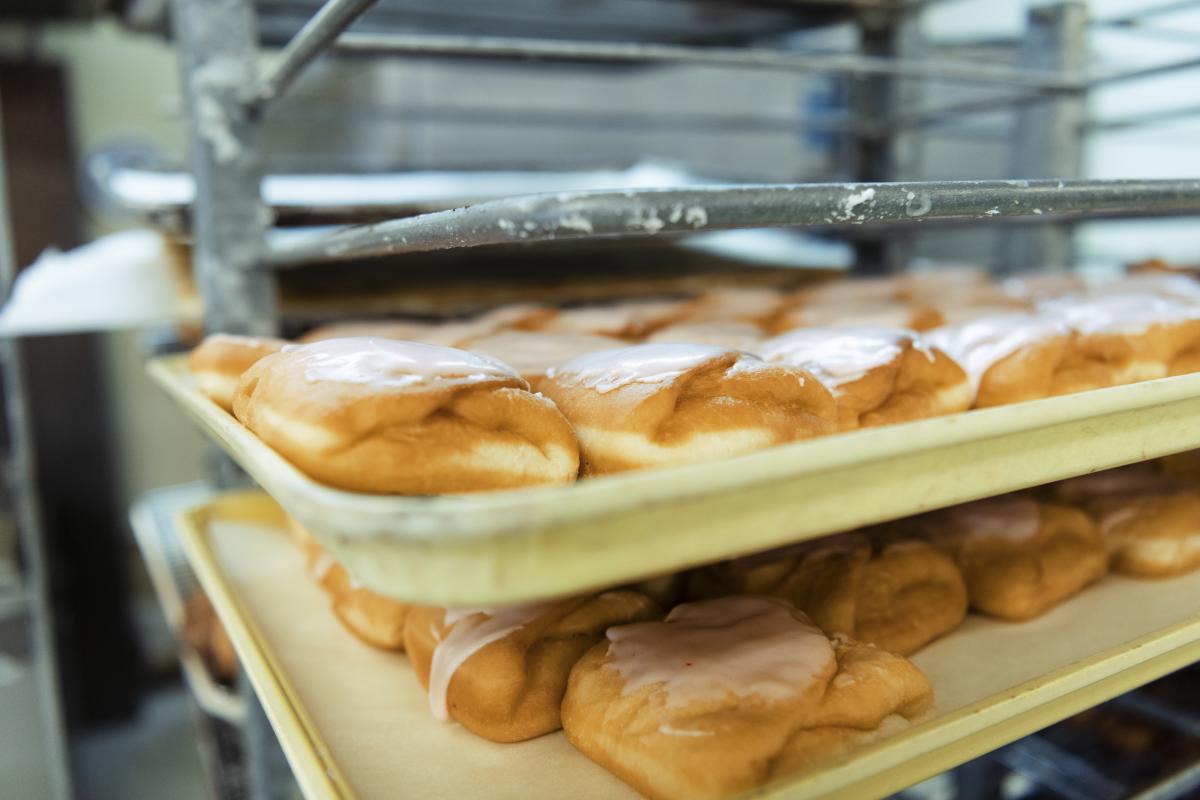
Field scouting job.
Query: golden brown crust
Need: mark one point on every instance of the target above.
(202, 629)
(754, 305)
(511, 689)
(218, 362)
(535, 353)
(1149, 521)
(878, 376)
(441, 434)
(890, 314)
(632, 319)
(1022, 577)
(898, 597)
(743, 336)
(715, 749)
(721, 403)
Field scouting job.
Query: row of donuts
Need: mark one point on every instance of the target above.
(629, 406)
(814, 632)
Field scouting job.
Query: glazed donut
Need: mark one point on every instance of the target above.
(1161, 334)
(501, 672)
(374, 415)
(217, 363)
(899, 596)
(727, 695)
(657, 404)
(886, 314)
(400, 330)
(1015, 357)
(854, 291)
(516, 316)
(1020, 558)
(534, 353)
(877, 376)
(734, 335)
(1150, 521)
(372, 618)
(753, 305)
(632, 319)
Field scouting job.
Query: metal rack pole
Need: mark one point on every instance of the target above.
(883, 152)
(218, 48)
(1048, 142)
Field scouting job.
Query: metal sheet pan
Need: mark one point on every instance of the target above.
(525, 544)
(994, 682)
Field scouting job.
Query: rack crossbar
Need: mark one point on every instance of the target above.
(455, 46)
(572, 215)
(317, 34)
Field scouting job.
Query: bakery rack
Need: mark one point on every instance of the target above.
(229, 93)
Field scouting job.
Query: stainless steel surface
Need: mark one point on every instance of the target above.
(642, 213)
(1049, 135)
(737, 57)
(23, 489)
(333, 18)
(218, 51)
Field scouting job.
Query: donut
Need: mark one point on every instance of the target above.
(632, 319)
(727, 695)
(1162, 334)
(500, 672)
(753, 305)
(217, 363)
(734, 335)
(515, 316)
(375, 415)
(1149, 521)
(1021, 356)
(1019, 558)
(899, 595)
(877, 376)
(534, 353)
(658, 404)
(877, 314)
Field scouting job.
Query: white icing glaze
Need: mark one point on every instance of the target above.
(1164, 551)
(612, 318)
(389, 365)
(1011, 517)
(977, 345)
(471, 629)
(837, 356)
(738, 646)
(1165, 285)
(1125, 313)
(533, 353)
(661, 363)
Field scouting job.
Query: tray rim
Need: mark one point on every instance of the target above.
(944, 741)
(210, 695)
(317, 773)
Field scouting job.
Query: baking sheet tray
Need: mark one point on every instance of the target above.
(152, 519)
(534, 543)
(372, 736)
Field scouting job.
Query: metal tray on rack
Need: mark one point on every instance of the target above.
(994, 682)
(152, 520)
(519, 545)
